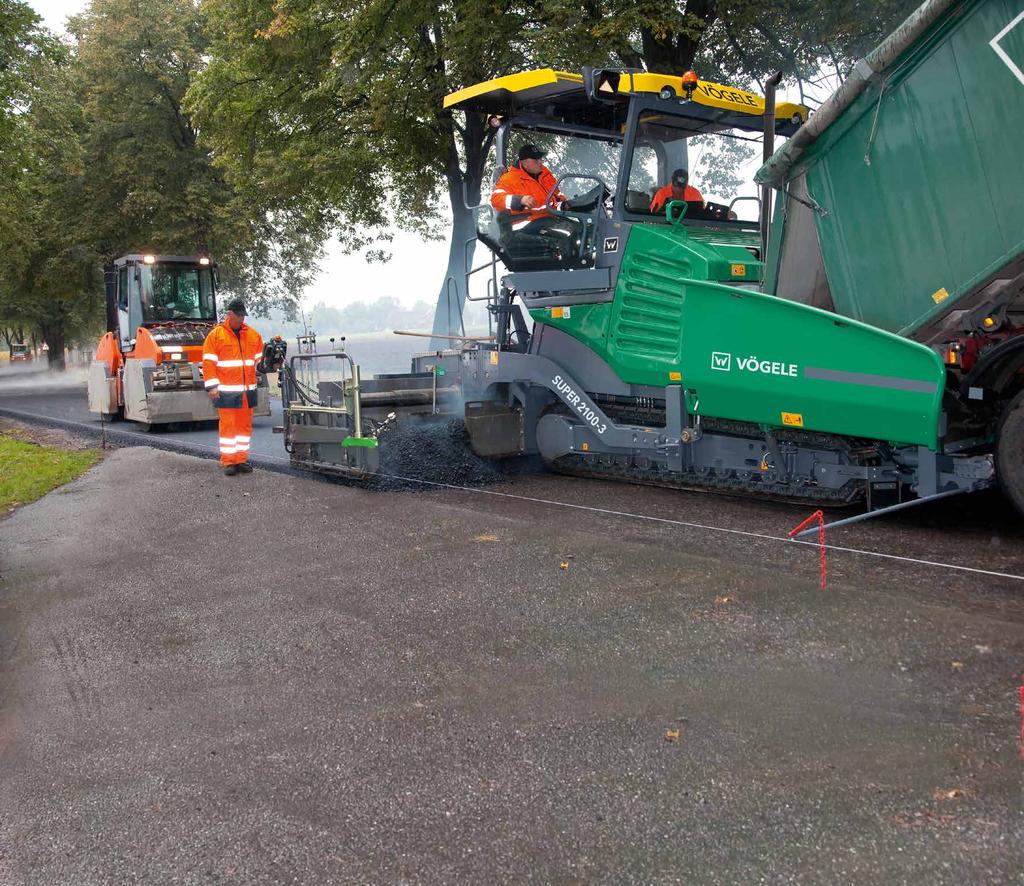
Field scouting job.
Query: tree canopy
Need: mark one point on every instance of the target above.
(253, 129)
(339, 104)
(109, 162)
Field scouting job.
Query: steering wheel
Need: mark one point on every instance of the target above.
(586, 208)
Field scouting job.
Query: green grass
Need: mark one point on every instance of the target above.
(28, 471)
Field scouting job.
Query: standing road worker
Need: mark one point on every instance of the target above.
(677, 189)
(231, 353)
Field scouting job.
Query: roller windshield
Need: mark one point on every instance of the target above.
(172, 292)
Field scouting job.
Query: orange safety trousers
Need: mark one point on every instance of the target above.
(235, 435)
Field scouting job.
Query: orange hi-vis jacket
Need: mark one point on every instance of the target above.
(229, 365)
(516, 184)
(690, 195)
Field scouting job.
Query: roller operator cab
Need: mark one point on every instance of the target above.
(148, 366)
(20, 352)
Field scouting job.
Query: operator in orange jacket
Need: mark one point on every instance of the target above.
(231, 354)
(522, 194)
(523, 190)
(677, 189)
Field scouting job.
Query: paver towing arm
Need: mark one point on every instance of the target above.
(148, 367)
(662, 352)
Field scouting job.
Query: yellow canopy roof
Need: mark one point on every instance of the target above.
(504, 94)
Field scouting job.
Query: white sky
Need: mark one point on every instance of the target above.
(416, 268)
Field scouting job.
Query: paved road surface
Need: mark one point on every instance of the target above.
(66, 399)
(276, 680)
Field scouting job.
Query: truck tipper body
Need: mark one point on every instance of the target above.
(902, 200)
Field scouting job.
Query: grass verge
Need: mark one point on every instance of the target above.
(28, 471)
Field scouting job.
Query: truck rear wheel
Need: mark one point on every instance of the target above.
(1010, 451)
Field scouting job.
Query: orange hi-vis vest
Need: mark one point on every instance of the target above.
(229, 365)
(690, 195)
(516, 184)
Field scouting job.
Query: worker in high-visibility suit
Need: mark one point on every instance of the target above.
(679, 188)
(521, 197)
(231, 354)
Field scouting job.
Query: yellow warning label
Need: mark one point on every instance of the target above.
(739, 270)
(494, 357)
(793, 419)
(940, 296)
(557, 313)
(586, 447)
(675, 376)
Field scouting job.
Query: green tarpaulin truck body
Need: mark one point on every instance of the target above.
(902, 200)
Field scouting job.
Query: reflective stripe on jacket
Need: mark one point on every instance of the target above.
(690, 195)
(516, 184)
(229, 365)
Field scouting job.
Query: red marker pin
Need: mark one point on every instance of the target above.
(1021, 741)
(820, 517)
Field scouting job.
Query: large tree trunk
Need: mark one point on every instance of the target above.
(451, 298)
(54, 336)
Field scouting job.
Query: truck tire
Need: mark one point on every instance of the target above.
(1010, 452)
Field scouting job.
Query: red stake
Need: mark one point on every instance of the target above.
(1022, 717)
(820, 517)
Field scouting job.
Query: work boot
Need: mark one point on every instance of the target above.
(244, 467)
(230, 470)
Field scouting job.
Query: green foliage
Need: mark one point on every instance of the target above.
(50, 280)
(152, 183)
(339, 104)
(28, 471)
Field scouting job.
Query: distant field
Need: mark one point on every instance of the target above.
(377, 354)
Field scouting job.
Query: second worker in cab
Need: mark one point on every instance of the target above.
(677, 189)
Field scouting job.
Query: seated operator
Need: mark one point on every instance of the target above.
(676, 189)
(521, 193)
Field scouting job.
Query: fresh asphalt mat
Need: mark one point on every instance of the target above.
(270, 679)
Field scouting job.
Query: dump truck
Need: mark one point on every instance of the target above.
(148, 366)
(864, 350)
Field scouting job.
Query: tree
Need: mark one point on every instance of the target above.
(50, 280)
(45, 278)
(339, 105)
(152, 185)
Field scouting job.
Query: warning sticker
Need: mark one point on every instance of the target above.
(792, 419)
(561, 313)
(739, 270)
(940, 296)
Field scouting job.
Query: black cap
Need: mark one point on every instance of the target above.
(531, 152)
(236, 306)
(680, 177)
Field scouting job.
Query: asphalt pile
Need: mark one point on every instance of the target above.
(433, 451)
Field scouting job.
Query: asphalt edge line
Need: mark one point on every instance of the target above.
(205, 451)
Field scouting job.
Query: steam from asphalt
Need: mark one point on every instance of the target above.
(17, 379)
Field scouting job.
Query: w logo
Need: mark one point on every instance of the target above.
(721, 361)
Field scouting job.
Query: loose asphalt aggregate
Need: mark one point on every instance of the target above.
(271, 679)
